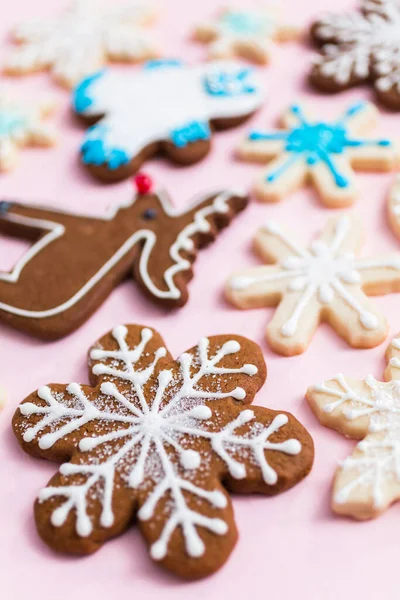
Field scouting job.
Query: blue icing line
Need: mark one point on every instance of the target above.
(192, 132)
(95, 151)
(241, 22)
(317, 142)
(81, 97)
(162, 63)
(229, 83)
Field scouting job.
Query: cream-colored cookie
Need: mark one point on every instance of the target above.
(394, 206)
(81, 40)
(323, 283)
(22, 125)
(3, 398)
(249, 34)
(368, 481)
(322, 152)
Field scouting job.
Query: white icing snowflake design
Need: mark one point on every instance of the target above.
(360, 46)
(165, 431)
(80, 40)
(368, 481)
(22, 126)
(248, 34)
(326, 281)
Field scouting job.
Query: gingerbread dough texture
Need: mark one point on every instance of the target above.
(76, 261)
(159, 442)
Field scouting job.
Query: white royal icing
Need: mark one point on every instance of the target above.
(149, 105)
(155, 434)
(378, 459)
(79, 41)
(322, 273)
(367, 44)
(148, 238)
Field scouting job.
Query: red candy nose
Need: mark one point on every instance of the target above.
(143, 183)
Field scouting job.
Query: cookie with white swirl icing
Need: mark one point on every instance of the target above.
(160, 442)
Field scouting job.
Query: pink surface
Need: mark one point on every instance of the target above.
(290, 546)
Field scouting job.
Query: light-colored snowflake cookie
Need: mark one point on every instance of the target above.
(322, 152)
(249, 34)
(154, 439)
(79, 41)
(360, 47)
(22, 125)
(323, 283)
(368, 481)
(394, 206)
(166, 107)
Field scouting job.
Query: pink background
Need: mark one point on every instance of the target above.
(290, 546)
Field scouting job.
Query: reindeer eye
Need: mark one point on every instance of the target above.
(149, 214)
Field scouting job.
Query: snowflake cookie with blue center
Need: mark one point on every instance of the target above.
(323, 283)
(22, 125)
(323, 152)
(249, 34)
(81, 39)
(368, 481)
(160, 442)
(165, 107)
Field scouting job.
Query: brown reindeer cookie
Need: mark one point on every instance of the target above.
(165, 107)
(76, 261)
(160, 442)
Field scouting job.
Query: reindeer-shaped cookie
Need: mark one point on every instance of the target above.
(76, 260)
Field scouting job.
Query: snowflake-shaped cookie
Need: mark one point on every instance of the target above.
(394, 206)
(244, 33)
(324, 283)
(321, 151)
(80, 41)
(130, 126)
(22, 125)
(358, 47)
(368, 481)
(154, 439)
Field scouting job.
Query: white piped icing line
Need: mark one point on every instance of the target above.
(367, 408)
(365, 44)
(80, 40)
(315, 278)
(220, 205)
(154, 437)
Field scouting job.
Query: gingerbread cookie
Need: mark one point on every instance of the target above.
(249, 34)
(323, 283)
(22, 125)
(368, 481)
(322, 152)
(130, 126)
(81, 40)
(359, 47)
(76, 260)
(153, 439)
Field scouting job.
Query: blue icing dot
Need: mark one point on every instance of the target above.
(192, 132)
(95, 151)
(81, 97)
(384, 143)
(162, 63)
(229, 83)
(10, 122)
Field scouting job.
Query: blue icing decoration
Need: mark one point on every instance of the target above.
(243, 23)
(162, 63)
(192, 132)
(10, 122)
(81, 97)
(229, 83)
(317, 142)
(95, 150)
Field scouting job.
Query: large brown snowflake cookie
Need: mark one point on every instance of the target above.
(361, 46)
(160, 441)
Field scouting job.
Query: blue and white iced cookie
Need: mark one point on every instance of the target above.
(326, 153)
(166, 107)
